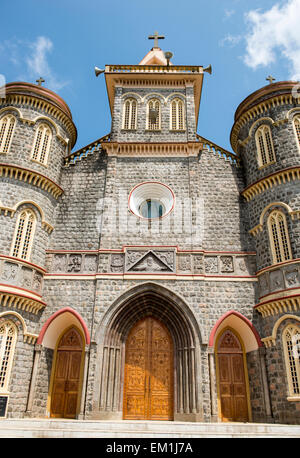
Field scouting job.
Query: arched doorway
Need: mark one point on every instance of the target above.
(66, 375)
(231, 377)
(148, 382)
(148, 300)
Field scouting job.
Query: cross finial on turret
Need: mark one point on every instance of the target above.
(270, 79)
(40, 81)
(156, 37)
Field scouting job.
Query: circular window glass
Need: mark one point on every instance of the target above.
(151, 200)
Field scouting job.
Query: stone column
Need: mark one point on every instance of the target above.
(37, 354)
(213, 384)
(84, 383)
(266, 392)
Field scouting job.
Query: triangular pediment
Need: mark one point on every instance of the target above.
(154, 57)
(150, 262)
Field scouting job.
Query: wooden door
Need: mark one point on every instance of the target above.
(148, 384)
(232, 383)
(65, 389)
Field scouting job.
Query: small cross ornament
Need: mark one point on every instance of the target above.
(40, 81)
(156, 37)
(270, 79)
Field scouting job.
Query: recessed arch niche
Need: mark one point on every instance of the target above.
(139, 302)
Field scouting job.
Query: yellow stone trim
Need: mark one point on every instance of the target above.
(294, 214)
(280, 305)
(31, 177)
(28, 337)
(271, 181)
(152, 149)
(14, 300)
(285, 99)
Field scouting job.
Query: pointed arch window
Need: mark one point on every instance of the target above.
(24, 233)
(291, 345)
(153, 115)
(279, 237)
(177, 114)
(7, 125)
(130, 114)
(264, 145)
(8, 337)
(297, 127)
(42, 142)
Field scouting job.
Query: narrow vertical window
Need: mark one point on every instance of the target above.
(24, 233)
(8, 336)
(297, 127)
(264, 144)
(130, 114)
(279, 238)
(42, 143)
(291, 345)
(153, 115)
(177, 115)
(7, 124)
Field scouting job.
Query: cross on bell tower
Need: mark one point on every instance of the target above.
(270, 79)
(156, 37)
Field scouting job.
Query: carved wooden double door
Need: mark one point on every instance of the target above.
(66, 384)
(148, 384)
(232, 383)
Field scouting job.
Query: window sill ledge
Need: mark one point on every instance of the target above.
(293, 398)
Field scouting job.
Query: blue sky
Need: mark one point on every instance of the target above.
(63, 40)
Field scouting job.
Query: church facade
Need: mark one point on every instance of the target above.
(152, 274)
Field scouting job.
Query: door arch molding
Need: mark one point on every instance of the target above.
(149, 299)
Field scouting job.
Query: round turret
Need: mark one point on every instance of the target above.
(36, 134)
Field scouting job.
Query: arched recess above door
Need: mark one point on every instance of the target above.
(59, 321)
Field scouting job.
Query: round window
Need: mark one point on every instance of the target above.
(151, 200)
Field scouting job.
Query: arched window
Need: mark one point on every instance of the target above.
(291, 345)
(153, 114)
(264, 144)
(8, 337)
(7, 124)
(42, 143)
(130, 114)
(177, 115)
(279, 238)
(297, 127)
(24, 232)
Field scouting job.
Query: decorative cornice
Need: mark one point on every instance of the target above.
(268, 182)
(87, 150)
(279, 305)
(20, 301)
(31, 177)
(218, 150)
(152, 149)
(271, 340)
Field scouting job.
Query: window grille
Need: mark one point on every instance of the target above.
(278, 232)
(130, 114)
(264, 144)
(41, 146)
(8, 335)
(7, 124)
(297, 127)
(291, 343)
(177, 115)
(153, 115)
(24, 233)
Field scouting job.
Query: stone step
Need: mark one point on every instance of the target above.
(57, 428)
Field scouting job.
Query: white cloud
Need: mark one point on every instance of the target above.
(274, 33)
(30, 59)
(231, 40)
(37, 63)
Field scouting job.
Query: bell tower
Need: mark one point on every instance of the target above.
(154, 101)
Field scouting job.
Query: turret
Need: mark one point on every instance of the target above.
(36, 133)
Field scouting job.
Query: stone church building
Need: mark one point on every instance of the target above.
(151, 274)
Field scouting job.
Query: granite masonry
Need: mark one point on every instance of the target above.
(151, 274)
